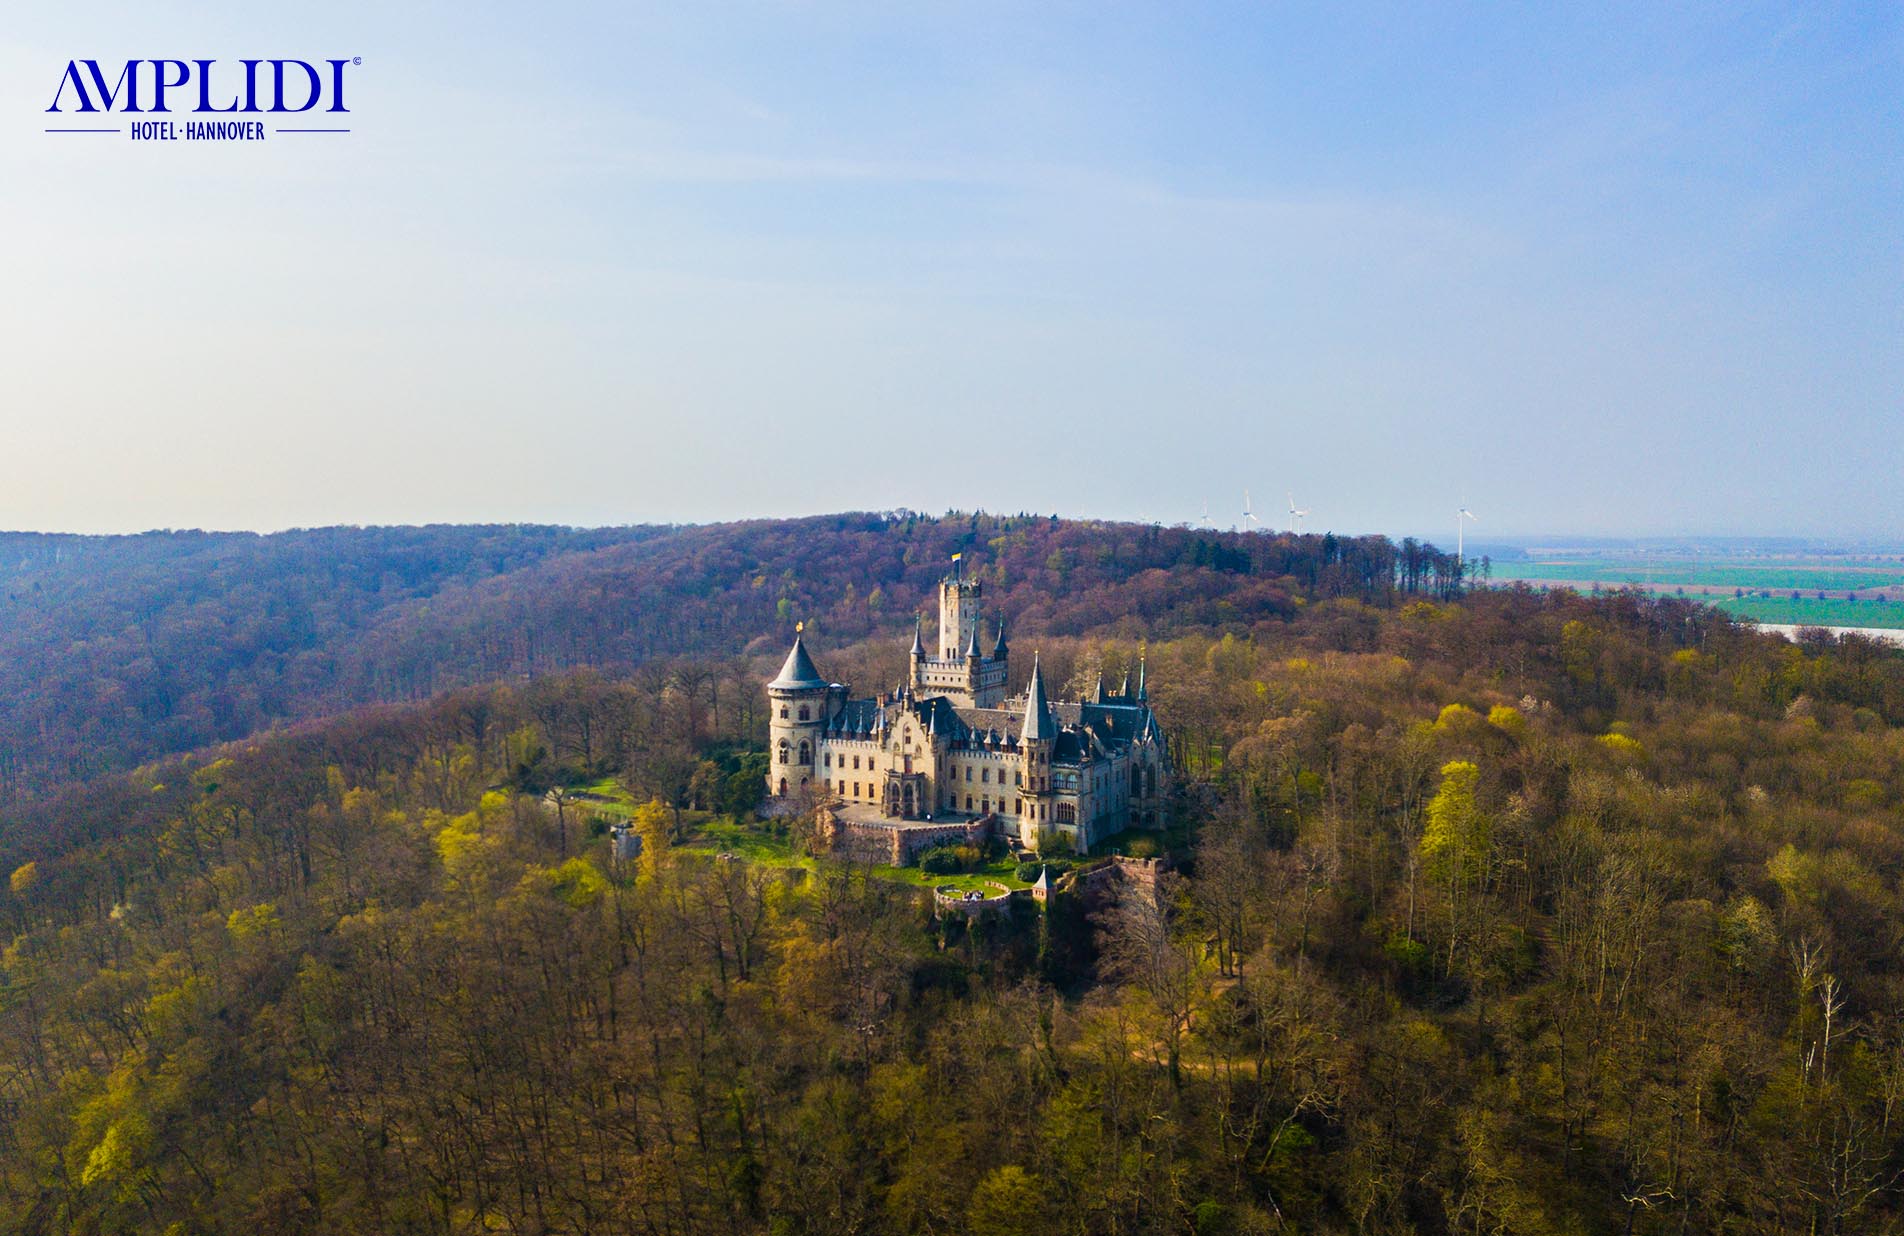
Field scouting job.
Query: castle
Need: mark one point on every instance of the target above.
(947, 747)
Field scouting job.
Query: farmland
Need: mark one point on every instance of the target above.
(1822, 589)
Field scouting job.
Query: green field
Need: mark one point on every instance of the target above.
(1767, 585)
(1811, 612)
(1832, 576)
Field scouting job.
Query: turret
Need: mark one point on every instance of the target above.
(798, 701)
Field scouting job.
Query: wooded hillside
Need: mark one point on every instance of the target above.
(1521, 913)
(114, 650)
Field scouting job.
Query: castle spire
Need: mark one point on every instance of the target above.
(998, 649)
(799, 672)
(971, 645)
(1143, 692)
(918, 644)
(1038, 724)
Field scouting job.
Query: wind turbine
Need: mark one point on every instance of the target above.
(1461, 518)
(1205, 523)
(1295, 515)
(1250, 522)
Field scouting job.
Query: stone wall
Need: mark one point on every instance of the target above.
(897, 843)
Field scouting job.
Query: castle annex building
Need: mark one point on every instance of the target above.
(947, 746)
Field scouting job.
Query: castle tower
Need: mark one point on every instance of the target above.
(1035, 743)
(958, 611)
(797, 701)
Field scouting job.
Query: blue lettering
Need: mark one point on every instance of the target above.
(314, 84)
(205, 89)
(128, 78)
(160, 85)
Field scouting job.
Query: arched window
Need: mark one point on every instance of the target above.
(783, 787)
(783, 712)
(784, 751)
(806, 752)
(805, 713)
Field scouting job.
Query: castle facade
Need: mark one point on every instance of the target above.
(948, 746)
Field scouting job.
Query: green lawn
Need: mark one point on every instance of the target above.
(998, 872)
(724, 835)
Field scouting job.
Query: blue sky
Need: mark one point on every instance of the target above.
(1606, 270)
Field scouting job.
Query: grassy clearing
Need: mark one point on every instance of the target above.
(724, 835)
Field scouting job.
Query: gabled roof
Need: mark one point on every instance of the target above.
(799, 673)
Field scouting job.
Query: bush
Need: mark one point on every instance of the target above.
(944, 860)
(1028, 872)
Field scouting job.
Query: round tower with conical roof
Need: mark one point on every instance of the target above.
(798, 702)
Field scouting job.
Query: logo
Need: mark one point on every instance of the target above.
(311, 94)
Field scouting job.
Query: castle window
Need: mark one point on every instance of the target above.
(783, 751)
(1018, 806)
(968, 802)
(1018, 778)
(1067, 814)
(806, 752)
(856, 762)
(985, 774)
(805, 713)
(968, 772)
(783, 712)
(826, 759)
(856, 789)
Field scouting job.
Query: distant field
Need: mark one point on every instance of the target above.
(1811, 612)
(1878, 585)
(1831, 576)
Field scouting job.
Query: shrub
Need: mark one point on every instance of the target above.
(943, 860)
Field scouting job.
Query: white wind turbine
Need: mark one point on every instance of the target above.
(1205, 522)
(1461, 518)
(1250, 522)
(1295, 515)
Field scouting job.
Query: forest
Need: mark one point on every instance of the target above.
(1495, 911)
(116, 650)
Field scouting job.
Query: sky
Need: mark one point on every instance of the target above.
(1589, 269)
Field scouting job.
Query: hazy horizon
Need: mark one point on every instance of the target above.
(1620, 272)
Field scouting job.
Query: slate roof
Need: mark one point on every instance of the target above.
(799, 673)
